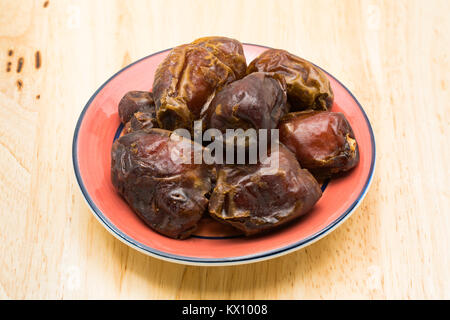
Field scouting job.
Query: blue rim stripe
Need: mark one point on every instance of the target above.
(211, 261)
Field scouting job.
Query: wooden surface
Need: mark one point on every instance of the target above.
(393, 55)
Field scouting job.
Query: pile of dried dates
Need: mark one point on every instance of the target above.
(208, 82)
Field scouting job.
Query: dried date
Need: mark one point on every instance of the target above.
(307, 85)
(256, 198)
(188, 77)
(323, 142)
(167, 193)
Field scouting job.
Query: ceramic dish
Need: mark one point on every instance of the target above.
(212, 244)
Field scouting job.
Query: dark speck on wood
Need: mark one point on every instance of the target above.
(8, 66)
(46, 3)
(10, 53)
(19, 84)
(19, 65)
(37, 60)
(38, 96)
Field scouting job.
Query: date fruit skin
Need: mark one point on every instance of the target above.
(188, 77)
(323, 142)
(227, 50)
(257, 198)
(141, 120)
(167, 194)
(134, 101)
(257, 101)
(307, 85)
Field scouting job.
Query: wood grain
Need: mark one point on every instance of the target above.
(393, 55)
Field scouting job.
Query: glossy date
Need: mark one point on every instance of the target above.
(323, 142)
(257, 101)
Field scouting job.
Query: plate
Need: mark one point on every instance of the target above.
(213, 245)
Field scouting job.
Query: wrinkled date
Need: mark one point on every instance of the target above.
(188, 77)
(137, 111)
(169, 195)
(307, 86)
(228, 51)
(254, 198)
(323, 142)
(257, 101)
(133, 102)
(208, 79)
(141, 120)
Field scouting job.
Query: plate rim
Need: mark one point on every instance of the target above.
(214, 261)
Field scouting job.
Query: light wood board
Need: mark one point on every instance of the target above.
(393, 55)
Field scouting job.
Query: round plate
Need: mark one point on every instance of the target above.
(212, 244)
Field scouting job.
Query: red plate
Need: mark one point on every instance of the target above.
(99, 125)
